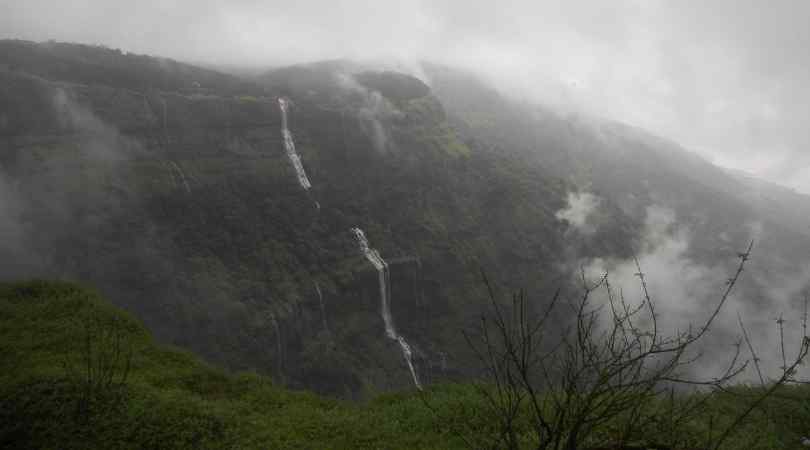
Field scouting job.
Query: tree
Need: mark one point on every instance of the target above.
(105, 357)
(609, 380)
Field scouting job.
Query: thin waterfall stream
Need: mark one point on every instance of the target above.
(373, 256)
(323, 307)
(176, 167)
(289, 146)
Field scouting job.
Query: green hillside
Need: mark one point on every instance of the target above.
(168, 398)
(139, 394)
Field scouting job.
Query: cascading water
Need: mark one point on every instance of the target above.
(373, 256)
(279, 345)
(289, 146)
(181, 174)
(165, 116)
(323, 308)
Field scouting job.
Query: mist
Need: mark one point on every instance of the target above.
(685, 292)
(488, 151)
(373, 110)
(580, 208)
(727, 79)
(49, 198)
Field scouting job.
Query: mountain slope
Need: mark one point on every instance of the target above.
(172, 191)
(635, 170)
(182, 207)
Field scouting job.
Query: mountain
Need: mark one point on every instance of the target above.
(220, 209)
(182, 206)
(784, 205)
(635, 170)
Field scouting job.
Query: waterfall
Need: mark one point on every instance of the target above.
(279, 344)
(165, 122)
(323, 308)
(289, 146)
(383, 274)
(182, 175)
(165, 116)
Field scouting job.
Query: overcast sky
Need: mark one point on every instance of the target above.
(729, 79)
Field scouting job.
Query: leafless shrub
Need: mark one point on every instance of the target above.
(609, 379)
(104, 359)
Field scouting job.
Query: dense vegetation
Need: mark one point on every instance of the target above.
(167, 187)
(159, 397)
(88, 65)
(168, 399)
(182, 207)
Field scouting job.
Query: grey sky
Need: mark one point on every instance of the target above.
(727, 78)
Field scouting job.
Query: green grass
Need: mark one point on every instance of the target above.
(170, 399)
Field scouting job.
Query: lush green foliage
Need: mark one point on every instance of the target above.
(172, 400)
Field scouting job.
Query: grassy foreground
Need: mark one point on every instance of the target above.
(166, 398)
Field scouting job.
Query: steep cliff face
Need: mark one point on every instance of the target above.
(175, 191)
(181, 205)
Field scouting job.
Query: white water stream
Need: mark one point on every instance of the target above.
(279, 344)
(373, 256)
(289, 146)
(181, 174)
(323, 308)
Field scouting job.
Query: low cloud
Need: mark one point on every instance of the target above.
(686, 291)
(373, 112)
(12, 231)
(45, 195)
(681, 288)
(579, 211)
(728, 79)
(104, 143)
